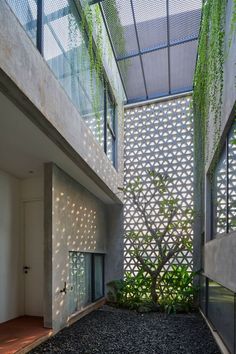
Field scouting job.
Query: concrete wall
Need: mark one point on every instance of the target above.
(219, 254)
(75, 221)
(220, 260)
(34, 88)
(114, 260)
(10, 248)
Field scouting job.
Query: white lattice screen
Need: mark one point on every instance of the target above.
(160, 136)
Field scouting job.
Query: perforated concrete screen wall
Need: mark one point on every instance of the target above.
(159, 136)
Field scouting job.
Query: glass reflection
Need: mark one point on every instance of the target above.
(26, 12)
(66, 51)
(221, 312)
(220, 196)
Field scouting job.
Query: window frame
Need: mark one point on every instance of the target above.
(93, 255)
(107, 126)
(92, 275)
(225, 149)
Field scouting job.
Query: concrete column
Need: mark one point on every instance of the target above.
(114, 260)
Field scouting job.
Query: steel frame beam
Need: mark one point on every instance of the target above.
(139, 49)
(113, 50)
(40, 24)
(160, 47)
(168, 44)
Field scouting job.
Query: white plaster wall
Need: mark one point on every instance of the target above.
(32, 189)
(78, 224)
(10, 250)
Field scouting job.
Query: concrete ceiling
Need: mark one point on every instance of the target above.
(24, 149)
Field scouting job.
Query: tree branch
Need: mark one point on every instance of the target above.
(144, 265)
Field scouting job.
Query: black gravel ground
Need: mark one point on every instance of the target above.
(111, 330)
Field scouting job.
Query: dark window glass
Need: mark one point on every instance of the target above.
(203, 293)
(221, 312)
(98, 277)
(224, 188)
(220, 196)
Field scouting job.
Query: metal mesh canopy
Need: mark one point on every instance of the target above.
(155, 44)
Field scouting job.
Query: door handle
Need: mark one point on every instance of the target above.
(26, 268)
(64, 290)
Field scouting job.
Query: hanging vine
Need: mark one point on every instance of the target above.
(92, 29)
(91, 23)
(209, 73)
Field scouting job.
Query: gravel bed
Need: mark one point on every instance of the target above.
(111, 330)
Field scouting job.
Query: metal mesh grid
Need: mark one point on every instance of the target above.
(26, 12)
(156, 73)
(182, 64)
(185, 17)
(131, 70)
(151, 24)
(142, 27)
(124, 12)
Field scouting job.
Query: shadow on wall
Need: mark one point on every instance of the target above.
(79, 225)
(159, 136)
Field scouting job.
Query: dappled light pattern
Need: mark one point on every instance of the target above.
(158, 136)
(79, 225)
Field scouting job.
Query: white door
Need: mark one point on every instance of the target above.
(34, 257)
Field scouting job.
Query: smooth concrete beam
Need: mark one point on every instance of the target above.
(220, 261)
(114, 261)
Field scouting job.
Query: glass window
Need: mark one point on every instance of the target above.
(98, 276)
(66, 51)
(220, 196)
(86, 279)
(224, 188)
(26, 12)
(93, 112)
(221, 312)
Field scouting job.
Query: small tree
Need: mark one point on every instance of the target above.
(174, 218)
